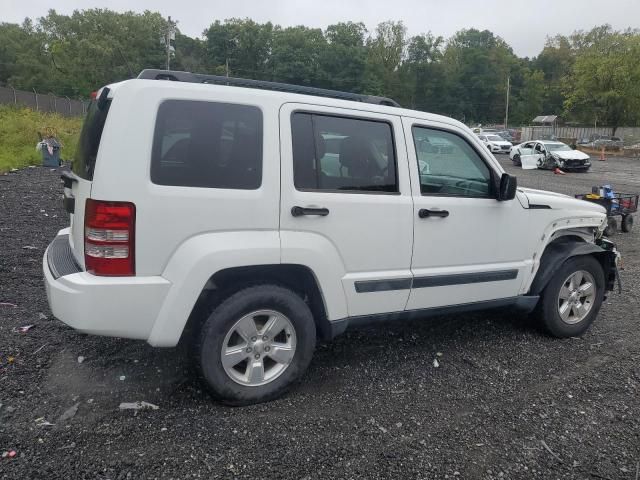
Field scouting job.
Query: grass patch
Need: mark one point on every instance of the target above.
(19, 129)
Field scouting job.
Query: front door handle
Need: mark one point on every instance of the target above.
(300, 211)
(426, 213)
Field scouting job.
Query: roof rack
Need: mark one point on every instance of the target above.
(151, 74)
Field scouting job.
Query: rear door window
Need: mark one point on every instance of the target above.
(341, 154)
(207, 144)
(84, 162)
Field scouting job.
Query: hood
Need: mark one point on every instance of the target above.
(544, 199)
(502, 142)
(572, 155)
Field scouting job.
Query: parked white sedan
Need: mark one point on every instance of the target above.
(495, 143)
(549, 154)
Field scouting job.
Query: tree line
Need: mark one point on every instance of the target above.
(588, 76)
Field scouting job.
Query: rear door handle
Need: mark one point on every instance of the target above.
(426, 213)
(300, 211)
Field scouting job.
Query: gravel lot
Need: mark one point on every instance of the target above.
(505, 402)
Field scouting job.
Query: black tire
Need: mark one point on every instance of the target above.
(627, 223)
(547, 310)
(612, 226)
(517, 160)
(209, 343)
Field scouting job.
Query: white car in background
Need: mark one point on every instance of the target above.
(549, 154)
(495, 143)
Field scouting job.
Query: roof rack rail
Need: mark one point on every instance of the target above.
(151, 74)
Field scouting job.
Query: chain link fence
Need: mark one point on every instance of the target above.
(43, 102)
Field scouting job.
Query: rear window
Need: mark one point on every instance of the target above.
(207, 144)
(84, 161)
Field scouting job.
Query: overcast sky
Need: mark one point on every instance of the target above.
(524, 24)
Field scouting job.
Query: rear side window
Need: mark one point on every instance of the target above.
(84, 162)
(207, 144)
(342, 154)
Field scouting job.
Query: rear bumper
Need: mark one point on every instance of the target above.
(113, 306)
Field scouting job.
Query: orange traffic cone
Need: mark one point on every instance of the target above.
(557, 171)
(603, 157)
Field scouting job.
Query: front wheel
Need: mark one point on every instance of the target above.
(627, 223)
(517, 160)
(255, 344)
(571, 300)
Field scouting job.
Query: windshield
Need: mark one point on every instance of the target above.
(495, 138)
(558, 147)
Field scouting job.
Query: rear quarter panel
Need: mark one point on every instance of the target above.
(167, 216)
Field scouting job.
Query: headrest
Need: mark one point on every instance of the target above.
(354, 151)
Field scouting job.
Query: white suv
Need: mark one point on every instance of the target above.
(251, 219)
(495, 143)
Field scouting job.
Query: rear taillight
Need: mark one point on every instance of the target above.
(109, 243)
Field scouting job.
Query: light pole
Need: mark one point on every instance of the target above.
(168, 36)
(506, 114)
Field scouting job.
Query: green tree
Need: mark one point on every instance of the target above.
(528, 99)
(296, 56)
(343, 60)
(245, 44)
(555, 61)
(385, 55)
(422, 73)
(603, 84)
(477, 64)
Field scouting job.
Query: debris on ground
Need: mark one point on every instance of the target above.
(29, 247)
(9, 454)
(548, 449)
(42, 316)
(80, 359)
(436, 363)
(122, 378)
(25, 328)
(69, 413)
(42, 422)
(7, 304)
(138, 406)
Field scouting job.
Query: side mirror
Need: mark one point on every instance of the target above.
(508, 185)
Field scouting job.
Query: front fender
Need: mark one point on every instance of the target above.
(561, 250)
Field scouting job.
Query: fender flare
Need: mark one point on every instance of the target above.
(561, 250)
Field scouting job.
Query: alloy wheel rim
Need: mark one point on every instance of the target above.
(576, 297)
(258, 348)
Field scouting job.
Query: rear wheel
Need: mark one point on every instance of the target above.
(255, 344)
(627, 223)
(572, 298)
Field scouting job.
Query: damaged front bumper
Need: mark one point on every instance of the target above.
(611, 263)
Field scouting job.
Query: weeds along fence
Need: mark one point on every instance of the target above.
(43, 102)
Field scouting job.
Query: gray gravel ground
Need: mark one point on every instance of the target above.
(505, 402)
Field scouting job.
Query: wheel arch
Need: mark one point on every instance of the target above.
(560, 250)
(298, 278)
